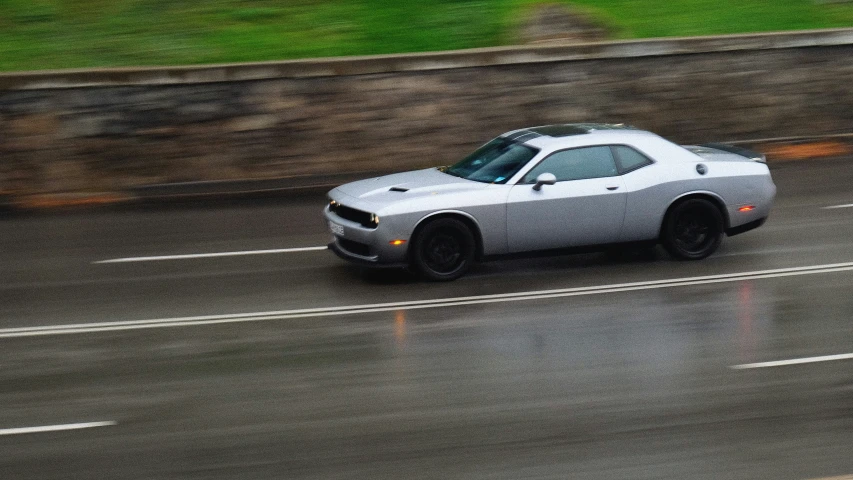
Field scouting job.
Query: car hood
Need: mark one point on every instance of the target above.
(407, 185)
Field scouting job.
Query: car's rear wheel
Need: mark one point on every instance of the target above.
(693, 229)
(443, 250)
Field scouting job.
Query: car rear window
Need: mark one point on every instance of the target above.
(629, 159)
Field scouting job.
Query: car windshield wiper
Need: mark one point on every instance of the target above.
(447, 170)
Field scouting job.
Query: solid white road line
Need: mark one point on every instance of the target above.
(846, 205)
(795, 361)
(211, 255)
(55, 428)
(417, 304)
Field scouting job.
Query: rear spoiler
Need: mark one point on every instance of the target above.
(743, 152)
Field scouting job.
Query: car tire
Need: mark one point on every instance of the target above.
(693, 229)
(443, 250)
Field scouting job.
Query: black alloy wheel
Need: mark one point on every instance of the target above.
(693, 229)
(443, 250)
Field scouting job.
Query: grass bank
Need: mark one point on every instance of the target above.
(45, 34)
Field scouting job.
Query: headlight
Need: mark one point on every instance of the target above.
(374, 219)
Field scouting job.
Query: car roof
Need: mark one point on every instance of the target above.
(573, 134)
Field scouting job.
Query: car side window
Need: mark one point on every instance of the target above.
(576, 164)
(629, 159)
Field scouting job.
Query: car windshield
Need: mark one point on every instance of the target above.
(494, 162)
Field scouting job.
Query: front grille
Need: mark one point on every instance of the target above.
(354, 247)
(353, 215)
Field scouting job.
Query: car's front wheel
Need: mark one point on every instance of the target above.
(693, 229)
(443, 250)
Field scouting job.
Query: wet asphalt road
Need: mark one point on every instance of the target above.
(614, 384)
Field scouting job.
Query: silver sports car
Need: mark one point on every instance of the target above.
(552, 187)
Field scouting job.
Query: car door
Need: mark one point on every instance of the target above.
(586, 205)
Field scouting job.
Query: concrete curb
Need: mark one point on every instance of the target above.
(778, 151)
(184, 193)
(784, 152)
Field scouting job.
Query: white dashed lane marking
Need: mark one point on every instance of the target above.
(211, 255)
(55, 428)
(794, 361)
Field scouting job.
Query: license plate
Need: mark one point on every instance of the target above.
(336, 229)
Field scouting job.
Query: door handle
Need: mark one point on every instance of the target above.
(612, 187)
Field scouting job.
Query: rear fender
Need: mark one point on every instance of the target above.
(710, 196)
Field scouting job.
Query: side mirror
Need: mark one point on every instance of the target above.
(544, 179)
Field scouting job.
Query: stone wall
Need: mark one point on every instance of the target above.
(109, 130)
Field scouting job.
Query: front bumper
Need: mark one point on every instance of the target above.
(366, 246)
(359, 260)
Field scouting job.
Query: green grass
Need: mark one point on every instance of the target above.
(42, 34)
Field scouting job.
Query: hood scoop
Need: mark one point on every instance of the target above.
(398, 189)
